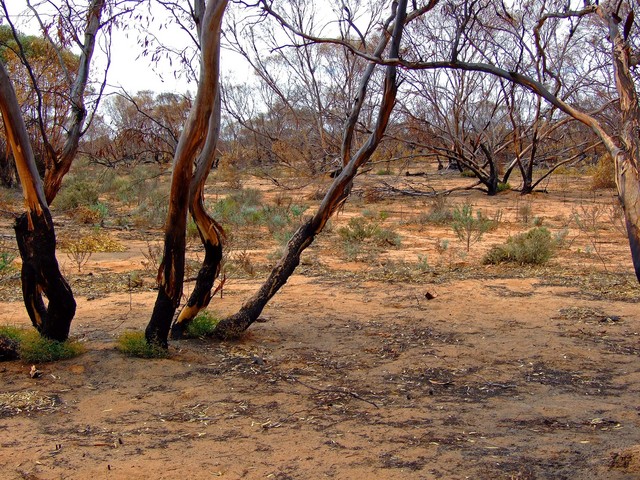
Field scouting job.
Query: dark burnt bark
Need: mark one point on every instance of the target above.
(337, 194)
(41, 276)
(201, 295)
(34, 231)
(194, 136)
(157, 331)
(235, 325)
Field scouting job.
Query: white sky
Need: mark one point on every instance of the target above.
(128, 69)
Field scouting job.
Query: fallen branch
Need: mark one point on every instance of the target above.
(414, 192)
(331, 390)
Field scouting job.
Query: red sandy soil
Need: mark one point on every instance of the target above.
(508, 373)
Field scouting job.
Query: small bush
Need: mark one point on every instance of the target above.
(34, 348)
(203, 325)
(239, 208)
(362, 236)
(360, 230)
(13, 333)
(470, 228)
(134, 344)
(88, 215)
(77, 193)
(503, 187)
(534, 247)
(152, 211)
(439, 213)
(153, 257)
(603, 173)
(80, 248)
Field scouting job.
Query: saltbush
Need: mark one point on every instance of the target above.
(534, 247)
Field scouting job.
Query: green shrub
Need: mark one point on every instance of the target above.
(503, 187)
(469, 228)
(239, 208)
(34, 348)
(298, 210)
(134, 344)
(152, 211)
(360, 229)
(203, 325)
(76, 193)
(534, 247)
(13, 333)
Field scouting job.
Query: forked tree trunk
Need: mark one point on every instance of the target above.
(211, 233)
(194, 135)
(337, 194)
(41, 275)
(57, 164)
(34, 231)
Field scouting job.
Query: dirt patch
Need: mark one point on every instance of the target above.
(382, 369)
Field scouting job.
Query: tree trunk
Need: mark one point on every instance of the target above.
(336, 195)
(34, 231)
(211, 233)
(41, 275)
(235, 325)
(171, 271)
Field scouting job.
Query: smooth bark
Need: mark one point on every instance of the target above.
(171, 271)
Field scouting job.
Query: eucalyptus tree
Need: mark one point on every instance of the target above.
(353, 157)
(193, 159)
(77, 25)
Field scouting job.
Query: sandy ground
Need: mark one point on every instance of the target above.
(508, 373)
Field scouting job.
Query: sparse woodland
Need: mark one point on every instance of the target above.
(415, 151)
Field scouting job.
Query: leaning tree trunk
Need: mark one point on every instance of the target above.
(337, 194)
(171, 271)
(34, 231)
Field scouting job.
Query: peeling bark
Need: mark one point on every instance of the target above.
(194, 135)
(34, 231)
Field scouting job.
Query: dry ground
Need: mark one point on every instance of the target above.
(508, 373)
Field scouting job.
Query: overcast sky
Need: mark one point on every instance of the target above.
(128, 69)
